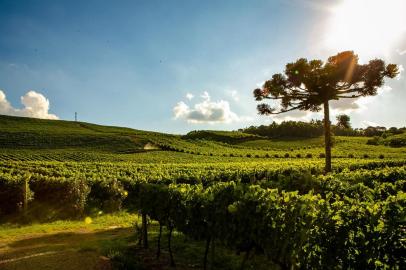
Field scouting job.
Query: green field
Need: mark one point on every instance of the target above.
(237, 199)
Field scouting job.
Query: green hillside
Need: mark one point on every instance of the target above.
(36, 139)
(235, 184)
(231, 137)
(21, 132)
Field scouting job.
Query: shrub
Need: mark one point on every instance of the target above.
(309, 155)
(298, 155)
(267, 155)
(248, 155)
(12, 195)
(322, 155)
(351, 155)
(257, 156)
(381, 156)
(276, 156)
(396, 142)
(366, 156)
(58, 198)
(287, 155)
(373, 141)
(107, 195)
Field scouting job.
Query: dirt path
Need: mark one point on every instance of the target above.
(58, 250)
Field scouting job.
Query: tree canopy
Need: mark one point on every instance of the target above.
(307, 85)
(343, 121)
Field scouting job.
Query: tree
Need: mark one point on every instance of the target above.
(343, 121)
(310, 85)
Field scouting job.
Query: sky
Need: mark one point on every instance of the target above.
(176, 66)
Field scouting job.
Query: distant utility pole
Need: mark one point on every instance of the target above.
(76, 116)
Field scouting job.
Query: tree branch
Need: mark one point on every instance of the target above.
(291, 109)
(353, 96)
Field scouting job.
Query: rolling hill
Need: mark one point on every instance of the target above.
(36, 139)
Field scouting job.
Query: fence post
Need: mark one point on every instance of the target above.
(26, 188)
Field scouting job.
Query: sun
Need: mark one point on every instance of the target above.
(369, 27)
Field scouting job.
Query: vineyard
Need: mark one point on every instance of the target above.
(256, 196)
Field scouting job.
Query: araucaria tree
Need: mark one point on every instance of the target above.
(310, 85)
(343, 121)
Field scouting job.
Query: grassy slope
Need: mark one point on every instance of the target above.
(64, 244)
(29, 133)
(35, 139)
(76, 245)
(80, 245)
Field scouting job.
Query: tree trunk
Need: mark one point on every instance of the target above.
(206, 252)
(158, 252)
(212, 253)
(327, 137)
(144, 231)
(245, 259)
(170, 247)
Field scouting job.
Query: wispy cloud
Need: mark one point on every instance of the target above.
(234, 95)
(189, 96)
(401, 52)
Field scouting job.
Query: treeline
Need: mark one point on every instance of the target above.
(310, 129)
(314, 128)
(221, 136)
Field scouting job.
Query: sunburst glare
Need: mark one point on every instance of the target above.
(369, 27)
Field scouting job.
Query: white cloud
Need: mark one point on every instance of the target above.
(369, 124)
(205, 96)
(206, 111)
(189, 96)
(296, 115)
(35, 105)
(260, 84)
(401, 52)
(234, 95)
(401, 69)
(348, 105)
(364, 102)
(345, 105)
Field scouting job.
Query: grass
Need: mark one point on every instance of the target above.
(9, 232)
(109, 240)
(188, 254)
(78, 244)
(30, 139)
(64, 244)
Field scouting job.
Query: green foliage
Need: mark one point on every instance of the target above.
(374, 141)
(283, 208)
(230, 137)
(58, 197)
(288, 129)
(306, 85)
(292, 230)
(395, 142)
(106, 195)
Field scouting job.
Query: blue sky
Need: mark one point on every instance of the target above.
(171, 66)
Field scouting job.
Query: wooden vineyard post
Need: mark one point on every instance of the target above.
(26, 190)
(144, 230)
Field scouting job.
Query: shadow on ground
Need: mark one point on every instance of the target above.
(78, 250)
